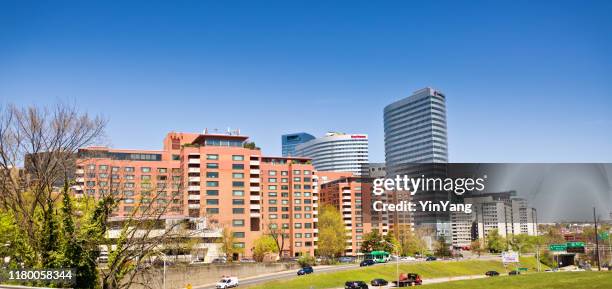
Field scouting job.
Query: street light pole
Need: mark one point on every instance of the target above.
(596, 239)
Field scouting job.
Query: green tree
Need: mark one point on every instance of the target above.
(332, 234)
(228, 244)
(372, 241)
(495, 242)
(262, 246)
(442, 248)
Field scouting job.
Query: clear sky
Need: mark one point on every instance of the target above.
(526, 81)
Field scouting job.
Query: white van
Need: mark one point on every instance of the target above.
(227, 282)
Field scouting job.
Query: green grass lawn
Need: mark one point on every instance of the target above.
(578, 280)
(425, 269)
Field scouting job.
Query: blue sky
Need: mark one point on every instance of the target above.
(526, 81)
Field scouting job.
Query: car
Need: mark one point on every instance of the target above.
(247, 260)
(431, 258)
(219, 260)
(355, 285)
(227, 282)
(367, 263)
(346, 259)
(492, 273)
(305, 270)
(514, 272)
(408, 258)
(379, 282)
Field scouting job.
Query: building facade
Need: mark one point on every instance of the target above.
(290, 141)
(415, 129)
(337, 152)
(415, 133)
(503, 212)
(352, 196)
(219, 177)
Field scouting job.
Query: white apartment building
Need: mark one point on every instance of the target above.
(499, 211)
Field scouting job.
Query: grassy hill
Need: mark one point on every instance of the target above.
(426, 269)
(582, 280)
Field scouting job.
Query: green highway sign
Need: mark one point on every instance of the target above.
(575, 244)
(557, 247)
(522, 269)
(604, 236)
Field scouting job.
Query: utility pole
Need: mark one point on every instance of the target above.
(596, 239)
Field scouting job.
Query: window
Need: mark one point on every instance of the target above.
(238, 175)
(284, 173)
(238, 157)
(212, 184)
(212, 192)
(298, 244)
(238, 234)
(237, 202)
(145, 177)
(272, 202)
(212, 210)
(239, 245)
(238, 223)
(296, 172)
(162, 170)
(238, 193)
(238, 211)
(212, 157)
(272, 194)
(103, 167)
(238, 184)
(306, 172)
(297, 225)
(176, 157)
(212, 165)
(272, 180)
(212, 174)
(271, 187)
(129, 169)
(297, 179)
(237, 167)
(145, 169)
(298, 235)
(212, 201)
(272, 173)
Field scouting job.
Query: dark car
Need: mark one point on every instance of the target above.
(514, 272)
(305, 270)
(492, 273)
(366, 263)
(431, 258)
(355, 285)
(379, 282)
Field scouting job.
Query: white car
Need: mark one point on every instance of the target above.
(227, 282)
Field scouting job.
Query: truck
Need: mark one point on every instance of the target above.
(408, 279)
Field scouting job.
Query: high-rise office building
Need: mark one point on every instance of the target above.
(337, 152)
(415, 133)
(415, 129)
(289, 141)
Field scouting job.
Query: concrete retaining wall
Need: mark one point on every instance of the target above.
(178, 276)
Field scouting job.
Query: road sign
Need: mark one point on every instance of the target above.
(575, 244)
(522, 269)
(604, 236)
(557, 247)
(510, 257)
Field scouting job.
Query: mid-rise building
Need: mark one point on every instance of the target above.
(503, 212)
(220, 177)
(337, 152)
(290, 141)
(352, 196)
